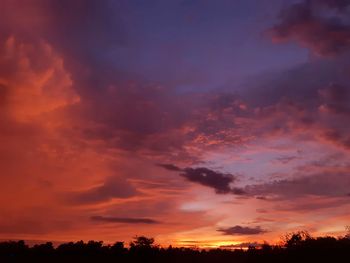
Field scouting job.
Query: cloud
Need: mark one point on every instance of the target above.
(286, 159)
(24, 225)
(170, 167)
(313, 204)
(337, 137)
(220, 182)
(204, 176)
(241, 230)
(338, 4)
(113, 187)
(315, 112)
(33, 80)
(125, 220)
(327, 184)
(335, 99)
(326, 35)
(69, 112)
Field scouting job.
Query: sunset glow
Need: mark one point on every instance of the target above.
(198, 123)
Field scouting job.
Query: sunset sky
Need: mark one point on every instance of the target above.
(196, 122)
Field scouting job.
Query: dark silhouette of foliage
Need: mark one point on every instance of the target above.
(347, 231)
(297, 247)
(142, 242)
(296, 238)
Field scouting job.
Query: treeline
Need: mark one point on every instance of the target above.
(297, 247)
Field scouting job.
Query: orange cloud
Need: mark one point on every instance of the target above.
(33, 80)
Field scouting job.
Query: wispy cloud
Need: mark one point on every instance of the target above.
(242, 230)
(124, 220)
(113, 187)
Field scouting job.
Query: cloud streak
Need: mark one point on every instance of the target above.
(124, 220)
(242, 230)
(113, 187)
(326, 184)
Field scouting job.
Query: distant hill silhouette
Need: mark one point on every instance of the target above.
(297, 247)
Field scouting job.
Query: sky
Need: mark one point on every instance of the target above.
(196, 122)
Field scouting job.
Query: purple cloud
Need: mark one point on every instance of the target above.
(241, 230)
(220, 182)
(326, 35)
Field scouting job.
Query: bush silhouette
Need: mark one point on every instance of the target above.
(297, 247)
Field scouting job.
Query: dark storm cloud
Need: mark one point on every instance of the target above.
(113, 187)
(242, 230)
(220, 182)
(125, 220)
(326, 34)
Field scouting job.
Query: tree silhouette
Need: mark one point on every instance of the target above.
(142, 242)
(298, 247)
(347, 228)
(296, 238)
